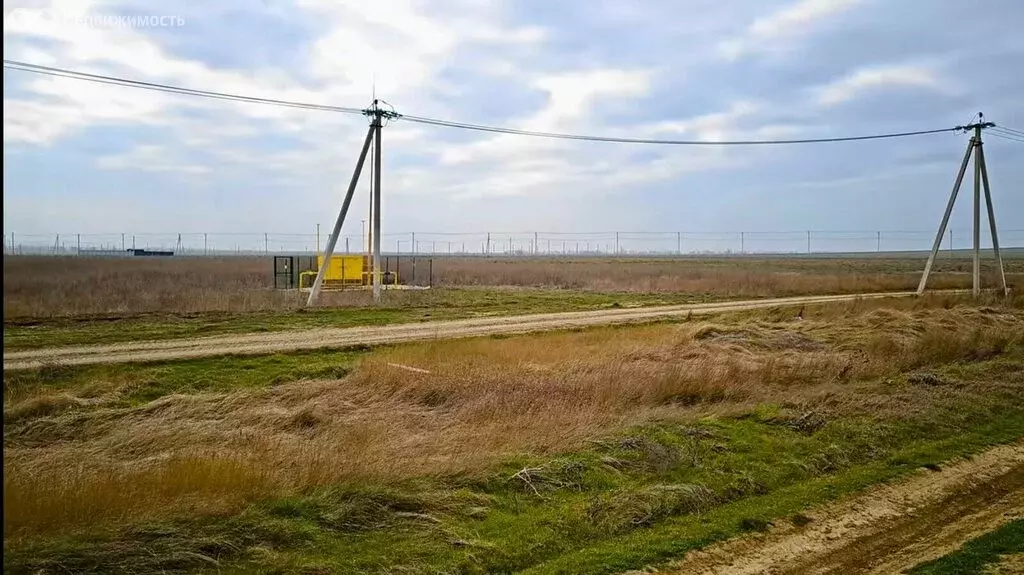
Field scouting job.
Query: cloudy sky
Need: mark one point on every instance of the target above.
(88, 158)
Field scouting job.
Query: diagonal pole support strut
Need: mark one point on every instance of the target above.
(314, 293)
(945, 217)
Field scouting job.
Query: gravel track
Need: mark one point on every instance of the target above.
(264, 343)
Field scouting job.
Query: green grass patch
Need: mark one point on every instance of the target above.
(136, 383)
(975, 555)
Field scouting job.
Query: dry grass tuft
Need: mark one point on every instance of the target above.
(625, 510)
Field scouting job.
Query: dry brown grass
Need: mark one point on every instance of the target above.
(69, 286)
(482, 401)
(739, 277)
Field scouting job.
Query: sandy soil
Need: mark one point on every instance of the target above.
(886, 530)
(261, 343)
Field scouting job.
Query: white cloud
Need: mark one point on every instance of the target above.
(150, 158)
(793, 20)
(873, 78)
(714, 126)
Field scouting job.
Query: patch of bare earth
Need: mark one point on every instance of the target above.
(887, 530)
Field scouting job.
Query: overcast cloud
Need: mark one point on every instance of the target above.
(89, 158)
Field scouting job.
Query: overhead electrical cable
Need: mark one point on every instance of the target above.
(113, 80)
(517, 132)
(1006, 137)
(101, 79)
(1009, 131)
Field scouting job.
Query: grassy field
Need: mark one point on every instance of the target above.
(593, 451)
(54, 287)
(66, 301)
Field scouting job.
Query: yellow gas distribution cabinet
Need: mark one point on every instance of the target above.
(343, 269)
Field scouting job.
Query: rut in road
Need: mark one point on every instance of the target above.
(263, 343)
(889, 529)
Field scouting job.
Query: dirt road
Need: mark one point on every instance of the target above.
(261, 343)
(887, 530)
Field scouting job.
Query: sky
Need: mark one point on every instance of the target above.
(101, 161)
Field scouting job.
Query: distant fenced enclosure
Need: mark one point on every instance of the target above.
(499, 243)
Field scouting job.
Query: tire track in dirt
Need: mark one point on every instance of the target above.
(263, 343)
(887, 530)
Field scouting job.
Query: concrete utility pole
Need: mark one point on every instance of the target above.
(977, 211)
(376, 212)
(974, 146)
(992, 219)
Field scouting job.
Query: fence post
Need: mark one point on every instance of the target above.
(430, 276)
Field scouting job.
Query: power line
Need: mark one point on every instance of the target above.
(1006, 137)
(113, 80)
(1010, 131)
(513, 131)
